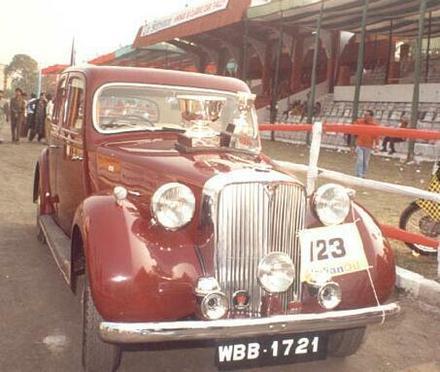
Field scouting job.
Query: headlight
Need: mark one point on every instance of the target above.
(173, 205)
(332, 204)
(214, 306)
(276, 272)
(330, 295)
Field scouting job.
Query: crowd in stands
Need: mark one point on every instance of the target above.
(27, 117)
(299, 110)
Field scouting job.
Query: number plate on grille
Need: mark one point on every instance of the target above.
(271, 350)
(337, 250)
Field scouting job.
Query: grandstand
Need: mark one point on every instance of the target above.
(361, 54)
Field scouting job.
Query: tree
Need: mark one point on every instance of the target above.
(23, 72)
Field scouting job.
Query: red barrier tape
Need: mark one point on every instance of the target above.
(377, 130)
(408, 237)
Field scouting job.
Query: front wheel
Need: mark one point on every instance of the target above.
(97, 355)
(346, 342)
(414, 219)
(40, 235)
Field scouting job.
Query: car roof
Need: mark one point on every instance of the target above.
(98, 75)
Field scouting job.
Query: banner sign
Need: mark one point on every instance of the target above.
(209, 7)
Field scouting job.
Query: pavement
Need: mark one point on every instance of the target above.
(418, 286)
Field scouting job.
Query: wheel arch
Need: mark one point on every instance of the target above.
(36, 182)
(77, 258)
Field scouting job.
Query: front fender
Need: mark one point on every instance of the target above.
(136, 270)
(364, 288)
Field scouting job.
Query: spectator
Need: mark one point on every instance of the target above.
(304, 109)
(30, 110)
(4, 113)
(365, 143)
(49, 113)
(40, 119)
(285, 114)
(393, 140)
(17, 109)
(317, 110)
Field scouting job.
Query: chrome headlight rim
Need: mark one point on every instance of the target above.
(155, 201)
(322, 295)
(318, 197)
(216, 310)
(261, 269)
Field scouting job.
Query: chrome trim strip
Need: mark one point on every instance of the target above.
(128, 333)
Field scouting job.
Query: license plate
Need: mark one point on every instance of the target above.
(336, 250)
(270, 350)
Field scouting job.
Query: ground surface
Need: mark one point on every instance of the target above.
(40, 320)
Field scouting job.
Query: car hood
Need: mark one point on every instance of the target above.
(144, 165)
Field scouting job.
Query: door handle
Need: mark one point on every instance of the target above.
(76, 158)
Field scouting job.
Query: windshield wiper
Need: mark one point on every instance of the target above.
(171, 129)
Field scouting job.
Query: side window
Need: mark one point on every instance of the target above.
(60, 99)
(74, 108)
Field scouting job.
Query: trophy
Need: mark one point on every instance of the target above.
(239, 132)
(200, 113)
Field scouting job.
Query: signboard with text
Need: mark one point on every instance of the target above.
(209, 7)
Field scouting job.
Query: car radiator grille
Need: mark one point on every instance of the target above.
(254, 219)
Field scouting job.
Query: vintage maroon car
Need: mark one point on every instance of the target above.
(153, 188)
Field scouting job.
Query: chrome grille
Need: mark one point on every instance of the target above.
(254, 219)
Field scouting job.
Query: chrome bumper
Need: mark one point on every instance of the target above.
(128, 333)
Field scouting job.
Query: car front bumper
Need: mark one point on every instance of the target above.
(129, 333)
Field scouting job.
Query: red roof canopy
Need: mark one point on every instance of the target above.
(53, 70)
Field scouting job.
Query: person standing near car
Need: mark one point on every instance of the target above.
(30, 110)
(4, 113)
(40, 119)
(365, 143)
(17, 109)
(49, 113)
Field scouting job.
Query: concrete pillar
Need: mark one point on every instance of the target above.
(417, 78)
(267, 69)
(332, 62)
(297, 65)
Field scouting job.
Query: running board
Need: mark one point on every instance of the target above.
(59, 244)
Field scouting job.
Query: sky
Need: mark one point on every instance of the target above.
(44, 29)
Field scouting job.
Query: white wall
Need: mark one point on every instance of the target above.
(389, 93)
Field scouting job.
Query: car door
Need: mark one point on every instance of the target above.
(71, 165)
(54, 139)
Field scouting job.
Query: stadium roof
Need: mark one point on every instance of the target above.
(141, 57)
(345, 15)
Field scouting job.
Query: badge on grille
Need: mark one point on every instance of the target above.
(240, 299)
(270, 189)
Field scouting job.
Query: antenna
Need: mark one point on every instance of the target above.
(73, 53)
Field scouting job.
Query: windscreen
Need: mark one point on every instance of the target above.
(135, 107)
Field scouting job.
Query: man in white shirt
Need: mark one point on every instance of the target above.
(49, 112)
